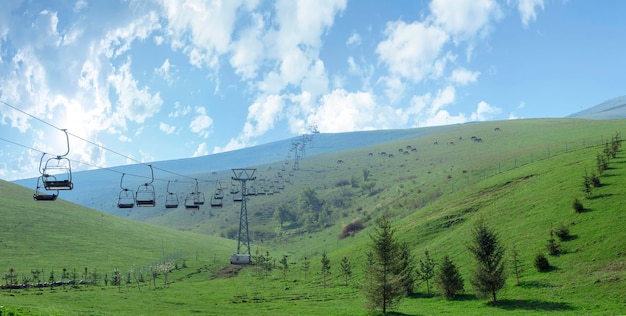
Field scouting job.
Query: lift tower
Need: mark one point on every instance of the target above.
(243, 241)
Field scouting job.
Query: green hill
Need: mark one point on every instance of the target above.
(522, 178)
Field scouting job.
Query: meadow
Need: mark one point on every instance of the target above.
(522, 178)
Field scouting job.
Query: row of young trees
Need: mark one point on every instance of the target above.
(74, 278)
(392, 270)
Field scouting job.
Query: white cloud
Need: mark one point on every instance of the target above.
(166, 128)
(262, 115)
(343, 111)
(465, 19)
(201, 150)
(354, 39)
(206, 25)
(443, 98)
(484, 111)
(133, 103)
(202, 124)
(410, 50)
(444, 117)
(528, 10)
(248, 50)
(463, 76)
(165, 71)
(118, 41)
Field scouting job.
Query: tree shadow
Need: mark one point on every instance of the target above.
(421, 295)
(599, 196)
(536, 305)
(569, 238)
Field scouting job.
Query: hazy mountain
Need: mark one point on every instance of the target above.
(611, 109)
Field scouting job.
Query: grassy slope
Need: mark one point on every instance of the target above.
(522, 203)
(56, 235)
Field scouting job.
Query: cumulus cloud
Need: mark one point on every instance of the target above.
(208, 26)
(343, 111)
(484, 111)
(462, 76)
(465, 19)
(411, 50)
(133, 103)
(201, 150)
(202, 124)
(528, 10)
(166, 128)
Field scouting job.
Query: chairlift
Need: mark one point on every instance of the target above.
(199, 198)
(57, 171)
(171, 199)
(126, 197)
(145, 196)
(216, 203)
(234, 187)
(190, 201)
(43, 195)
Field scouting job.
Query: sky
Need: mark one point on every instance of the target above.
(169, 79)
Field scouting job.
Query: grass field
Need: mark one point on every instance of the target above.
(522, 180)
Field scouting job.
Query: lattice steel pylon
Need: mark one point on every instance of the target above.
(243, 240)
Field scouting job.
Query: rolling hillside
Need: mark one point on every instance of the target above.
(522, 177)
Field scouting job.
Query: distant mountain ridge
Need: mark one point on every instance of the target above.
(612, 109)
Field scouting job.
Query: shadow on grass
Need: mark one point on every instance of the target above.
(599, 196)
(421, 295)
(537, 305)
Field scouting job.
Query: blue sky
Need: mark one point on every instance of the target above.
(168, 79)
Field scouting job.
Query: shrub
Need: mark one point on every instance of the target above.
(553, 247)
(562, 232)
(577, 205)
(595, 180)
(351, 229)
(342, 183)
(541, 263)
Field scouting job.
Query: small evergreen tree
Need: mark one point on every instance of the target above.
(284, 266)
(489, 276)
(51, 279)
(515, 262)
(346, 268)
(305, 266)
(426, 270)
(325, 267)
(448, 278)
(387, 289)
(578, 206)
(541, 263)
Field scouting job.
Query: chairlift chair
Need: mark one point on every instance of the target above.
(216, 203)
(171, 199)
(199, 196)
(190, 201)
(145, 196)
(126, 198)
(234, 187)
(43, 195)
(57, 171)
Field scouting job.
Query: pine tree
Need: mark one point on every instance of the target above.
(448, 278)
(346, 268)
(387, 289)
(305, 266)
(489, 276)
(284, 266)
(325, 267)
(426, 270)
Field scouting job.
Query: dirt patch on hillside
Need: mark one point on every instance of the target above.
(228, 271)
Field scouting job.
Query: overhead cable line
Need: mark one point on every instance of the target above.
(97, 145)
